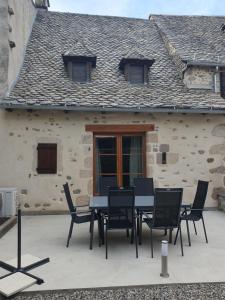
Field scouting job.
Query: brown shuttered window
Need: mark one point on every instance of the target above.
(47, 158)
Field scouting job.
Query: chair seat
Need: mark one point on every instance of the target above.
(119, 224)
(190, 217)
(83, 218)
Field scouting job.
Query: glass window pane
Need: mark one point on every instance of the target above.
(106, 145)
(132, 163)
(107, 164)
(132, 144)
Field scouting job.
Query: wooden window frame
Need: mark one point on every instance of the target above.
(48, 169)
(118, 136)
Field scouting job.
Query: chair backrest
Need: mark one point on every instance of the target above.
(121, 204)
(200, 197)
(68, 198)
(167, 207)
(106, 183)
(143, 186)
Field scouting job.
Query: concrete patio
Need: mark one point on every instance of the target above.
(79, 267)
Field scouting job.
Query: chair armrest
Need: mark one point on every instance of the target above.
(146, 215)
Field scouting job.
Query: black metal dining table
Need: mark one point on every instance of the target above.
(141, 202)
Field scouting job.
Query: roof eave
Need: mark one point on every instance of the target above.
(174, 109)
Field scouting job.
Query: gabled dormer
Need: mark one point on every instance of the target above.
(79, 62)
(135, 67)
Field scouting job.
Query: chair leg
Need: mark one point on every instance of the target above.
(132, 236)
(140, 230)
(175, 240)
(181, 242)
(151, 242)
(106, 242)
(203, 223)
(138, 223)
(165, 232)
(195, 227)
(135, 234)
(70, 233)
(92, 228)
(188, 232)
(128, 233)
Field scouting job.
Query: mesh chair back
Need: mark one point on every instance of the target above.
(167, 207)
(200, 198)
(68, 198)
(121, 205)
(106, 183)
(143, 186)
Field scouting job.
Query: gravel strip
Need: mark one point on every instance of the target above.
(199, 291)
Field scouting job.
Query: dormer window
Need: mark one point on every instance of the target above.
(135, 68)
(79, 63)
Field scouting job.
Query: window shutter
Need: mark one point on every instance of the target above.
(80, 72)
(136, 74)
(47, 159)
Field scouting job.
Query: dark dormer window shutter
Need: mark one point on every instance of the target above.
(80, 72)
(136, 74)
(47, 158)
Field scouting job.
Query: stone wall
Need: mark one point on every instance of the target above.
(194, 144)
(16, 20)
(200, 78)
(4, 47)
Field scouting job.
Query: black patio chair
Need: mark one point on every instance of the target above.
(120, 214)
(77, 217)
(166, 212)
(106, 183)
(142, 187)
(195, 212)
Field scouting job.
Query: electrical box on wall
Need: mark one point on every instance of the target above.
(7, 202)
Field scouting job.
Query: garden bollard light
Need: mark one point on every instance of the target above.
(164, 261)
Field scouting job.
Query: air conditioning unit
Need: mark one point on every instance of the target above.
(7, 202)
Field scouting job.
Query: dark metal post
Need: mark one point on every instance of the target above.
(19, 239)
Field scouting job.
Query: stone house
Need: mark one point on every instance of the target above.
(85, 97)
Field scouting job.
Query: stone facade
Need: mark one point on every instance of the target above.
(194, 145)
(16, 20)
(201, 78)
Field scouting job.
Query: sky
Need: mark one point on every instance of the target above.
(140, 8)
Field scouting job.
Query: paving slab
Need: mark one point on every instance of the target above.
(79, 267)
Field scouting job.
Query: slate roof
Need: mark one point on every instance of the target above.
(44, 82)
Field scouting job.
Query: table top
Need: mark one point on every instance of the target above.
(98, 202)
(140, 201)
